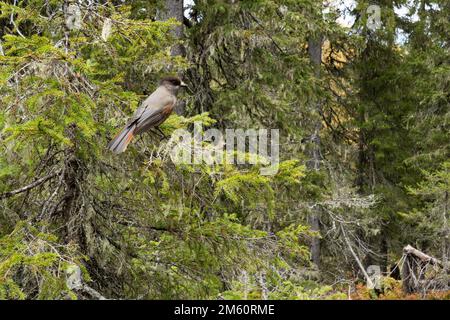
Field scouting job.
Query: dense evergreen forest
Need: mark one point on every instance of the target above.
(357, 207)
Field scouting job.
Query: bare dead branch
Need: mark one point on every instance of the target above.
(358, 261)
(35, 184)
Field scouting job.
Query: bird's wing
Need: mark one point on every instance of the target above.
(153, 118)
(154, 104)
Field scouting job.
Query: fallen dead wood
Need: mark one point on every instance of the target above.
(415, 269)
(409, 250)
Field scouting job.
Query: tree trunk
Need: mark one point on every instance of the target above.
(446, 232)
(315, 55)
(175, 9)
(72, 210)
(384, 251)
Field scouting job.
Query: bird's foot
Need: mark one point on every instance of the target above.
(162, 133)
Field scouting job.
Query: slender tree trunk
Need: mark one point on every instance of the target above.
(384, 251)
(446, 232)
(315, 54)
(73, 214)
(175, 9)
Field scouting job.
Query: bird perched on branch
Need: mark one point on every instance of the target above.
(151, 113)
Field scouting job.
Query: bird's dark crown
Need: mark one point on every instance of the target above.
(172, 80)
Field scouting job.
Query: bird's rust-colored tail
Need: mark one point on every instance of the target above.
(120, 142)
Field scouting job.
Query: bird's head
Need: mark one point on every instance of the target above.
(173, 84)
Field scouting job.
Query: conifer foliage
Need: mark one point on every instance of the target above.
(78, 222)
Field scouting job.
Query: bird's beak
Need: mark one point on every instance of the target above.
(182, 84)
